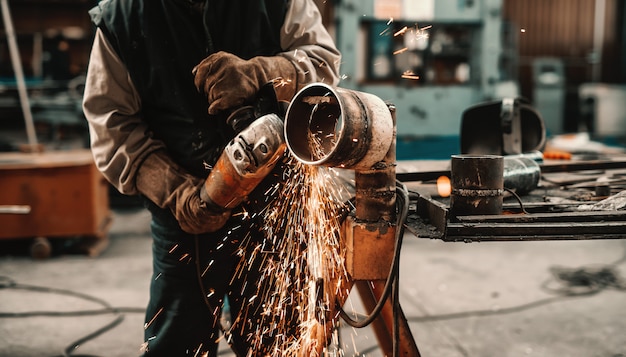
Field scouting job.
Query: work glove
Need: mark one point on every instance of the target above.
(229, 81)
(166, 184)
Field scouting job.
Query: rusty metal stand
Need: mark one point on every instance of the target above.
(383, 326)
(373, 242)
(357, 131)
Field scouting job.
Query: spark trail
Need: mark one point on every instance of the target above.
(302, 264)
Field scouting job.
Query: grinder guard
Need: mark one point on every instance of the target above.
(245, 162)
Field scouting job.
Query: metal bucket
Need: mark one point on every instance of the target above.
(477, 184)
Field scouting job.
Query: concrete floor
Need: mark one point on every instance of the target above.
(477, 299)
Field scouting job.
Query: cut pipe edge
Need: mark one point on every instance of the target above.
(355, 129)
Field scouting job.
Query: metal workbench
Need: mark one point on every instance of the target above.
(574, 200)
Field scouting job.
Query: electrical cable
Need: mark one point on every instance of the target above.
(392, 285)
(576, 282)
(580, 282)
(395, 308)
(74, 345)
(402, 196)
(8, 283)
(518, 198)
(218, 310)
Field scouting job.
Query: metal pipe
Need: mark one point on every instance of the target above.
(19, 73)
(477, 184)
(375, 189)
(343, 128)
(521, 174)
(598, 40)
(337, 127)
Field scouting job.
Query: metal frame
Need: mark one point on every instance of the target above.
(548, 221)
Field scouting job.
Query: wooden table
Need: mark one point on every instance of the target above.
(58, 194)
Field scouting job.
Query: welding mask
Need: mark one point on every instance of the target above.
(502, 127)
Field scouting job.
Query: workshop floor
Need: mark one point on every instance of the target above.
(462, 299)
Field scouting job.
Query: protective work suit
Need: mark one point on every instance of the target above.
(163, 76)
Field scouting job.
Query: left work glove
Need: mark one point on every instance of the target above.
(229, 81)
(166, 184)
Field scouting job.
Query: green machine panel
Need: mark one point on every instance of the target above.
(432, 63)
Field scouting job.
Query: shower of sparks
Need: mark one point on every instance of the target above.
(302, 265)
(280, 82)
(421, 33)
(410, 75)
(300, 260)
(397, 52)
(402, 31)
(147, 324)
(417, 33)
(387, 29)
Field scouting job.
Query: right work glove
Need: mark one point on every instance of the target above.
(166, 184)
(229, 81)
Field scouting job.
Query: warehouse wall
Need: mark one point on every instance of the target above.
(565, 29)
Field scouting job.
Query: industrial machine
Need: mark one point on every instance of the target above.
(604, 108)
(432, 59)
(549, 92)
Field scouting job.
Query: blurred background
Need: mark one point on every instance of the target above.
(433, 59)
(566, 57)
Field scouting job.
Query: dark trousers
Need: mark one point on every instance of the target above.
(191, 276)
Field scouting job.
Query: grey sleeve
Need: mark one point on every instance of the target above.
(120, 139)
(308, 45)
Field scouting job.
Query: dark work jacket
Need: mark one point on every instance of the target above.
(161, 41)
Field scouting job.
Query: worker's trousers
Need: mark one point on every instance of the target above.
(191, 276)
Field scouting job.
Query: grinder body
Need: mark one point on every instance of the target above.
(245, 161)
